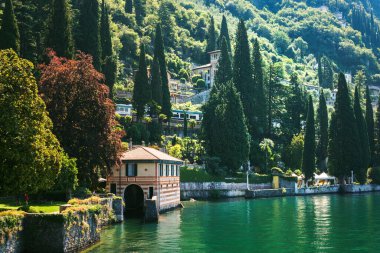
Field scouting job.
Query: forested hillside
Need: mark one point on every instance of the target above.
(294, 32)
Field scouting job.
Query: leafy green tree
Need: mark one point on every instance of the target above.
(128, 6)
(243, 74)
(364, 158)
(360, 80)
(141, 92)
(83, 116)
(224, 34)
(370, 125)
(326, 73)
(323, 138)
(167, 20)
(59, 34)
(266, 145)
(224, 129)
(224, 72)
(343, 135)
(140, 10)
(295, 152)
(159, 54)
(211, 40)
(30, 154)
(9, 33)
(67, 179)
(88, 36)
(308, 161)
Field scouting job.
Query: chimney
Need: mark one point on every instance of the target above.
(130, 145)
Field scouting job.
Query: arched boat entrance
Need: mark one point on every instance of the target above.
(134, 201)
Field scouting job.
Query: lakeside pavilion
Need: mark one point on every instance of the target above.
(145, 174)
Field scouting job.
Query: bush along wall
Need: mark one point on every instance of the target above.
(75, 228)
(10, 231)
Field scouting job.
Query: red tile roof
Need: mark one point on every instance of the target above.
(145, 153)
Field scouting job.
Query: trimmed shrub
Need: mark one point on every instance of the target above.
(373, 175)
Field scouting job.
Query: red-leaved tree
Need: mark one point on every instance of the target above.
(82, 114)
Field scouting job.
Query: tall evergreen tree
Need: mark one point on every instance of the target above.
(224, 73)
(242, 73)
(364, 158)
(25, 13)
(141, 91)
(88, 37)
(211, 40)
(224, 129)
(109, 62)
(156, 83)
(159, 54)
(224, 34)
(185, 125)
(323, 124)
(9, 34)
(59, 36)
(308, 161)
(260, 105)
(140, 10)
(128, 6)
(370, 124)
(343, 135)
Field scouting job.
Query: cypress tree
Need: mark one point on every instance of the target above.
(370, 124)
(109, 62)
(159, 54)
(9, 34)
(128, 6)
(140, 11)
(59, 36)
(88, 37)
(141, 89)
(224, 129)
(156, 83)
(25, 13)
(364, 158)
(185, 125)
(224, 73)
(260, 104)
(308, 161)
(343, 135)
(211, 39)
(224, 34)
(320, 74)
(242, 72)
(323, 123)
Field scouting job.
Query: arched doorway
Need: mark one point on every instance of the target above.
(134, 201)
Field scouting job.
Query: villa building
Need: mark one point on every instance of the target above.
(208, 71)
(144, 174)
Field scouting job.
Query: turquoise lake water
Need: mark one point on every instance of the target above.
(328, 223)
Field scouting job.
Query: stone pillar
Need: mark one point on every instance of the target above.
(117, 206)
(151, 210)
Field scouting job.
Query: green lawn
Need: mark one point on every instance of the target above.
(46, 207)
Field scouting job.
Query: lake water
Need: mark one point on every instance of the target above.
(328, 223)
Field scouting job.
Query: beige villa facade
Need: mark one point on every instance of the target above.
(146, 173)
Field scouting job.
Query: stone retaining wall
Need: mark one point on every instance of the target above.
(317, 190)
(71, 231)
(207, 190)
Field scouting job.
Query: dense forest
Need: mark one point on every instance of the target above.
(294, 32)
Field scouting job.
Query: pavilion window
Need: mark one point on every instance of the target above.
(161, 170)
(177, 170)
(172, 168)
(131, 169)
(167, 172)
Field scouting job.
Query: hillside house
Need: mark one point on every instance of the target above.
(208, 71)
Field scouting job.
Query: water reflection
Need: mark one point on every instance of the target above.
(330, 223)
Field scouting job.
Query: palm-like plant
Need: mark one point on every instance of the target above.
(266, 146)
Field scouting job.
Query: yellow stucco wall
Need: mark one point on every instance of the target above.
(145, 169)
